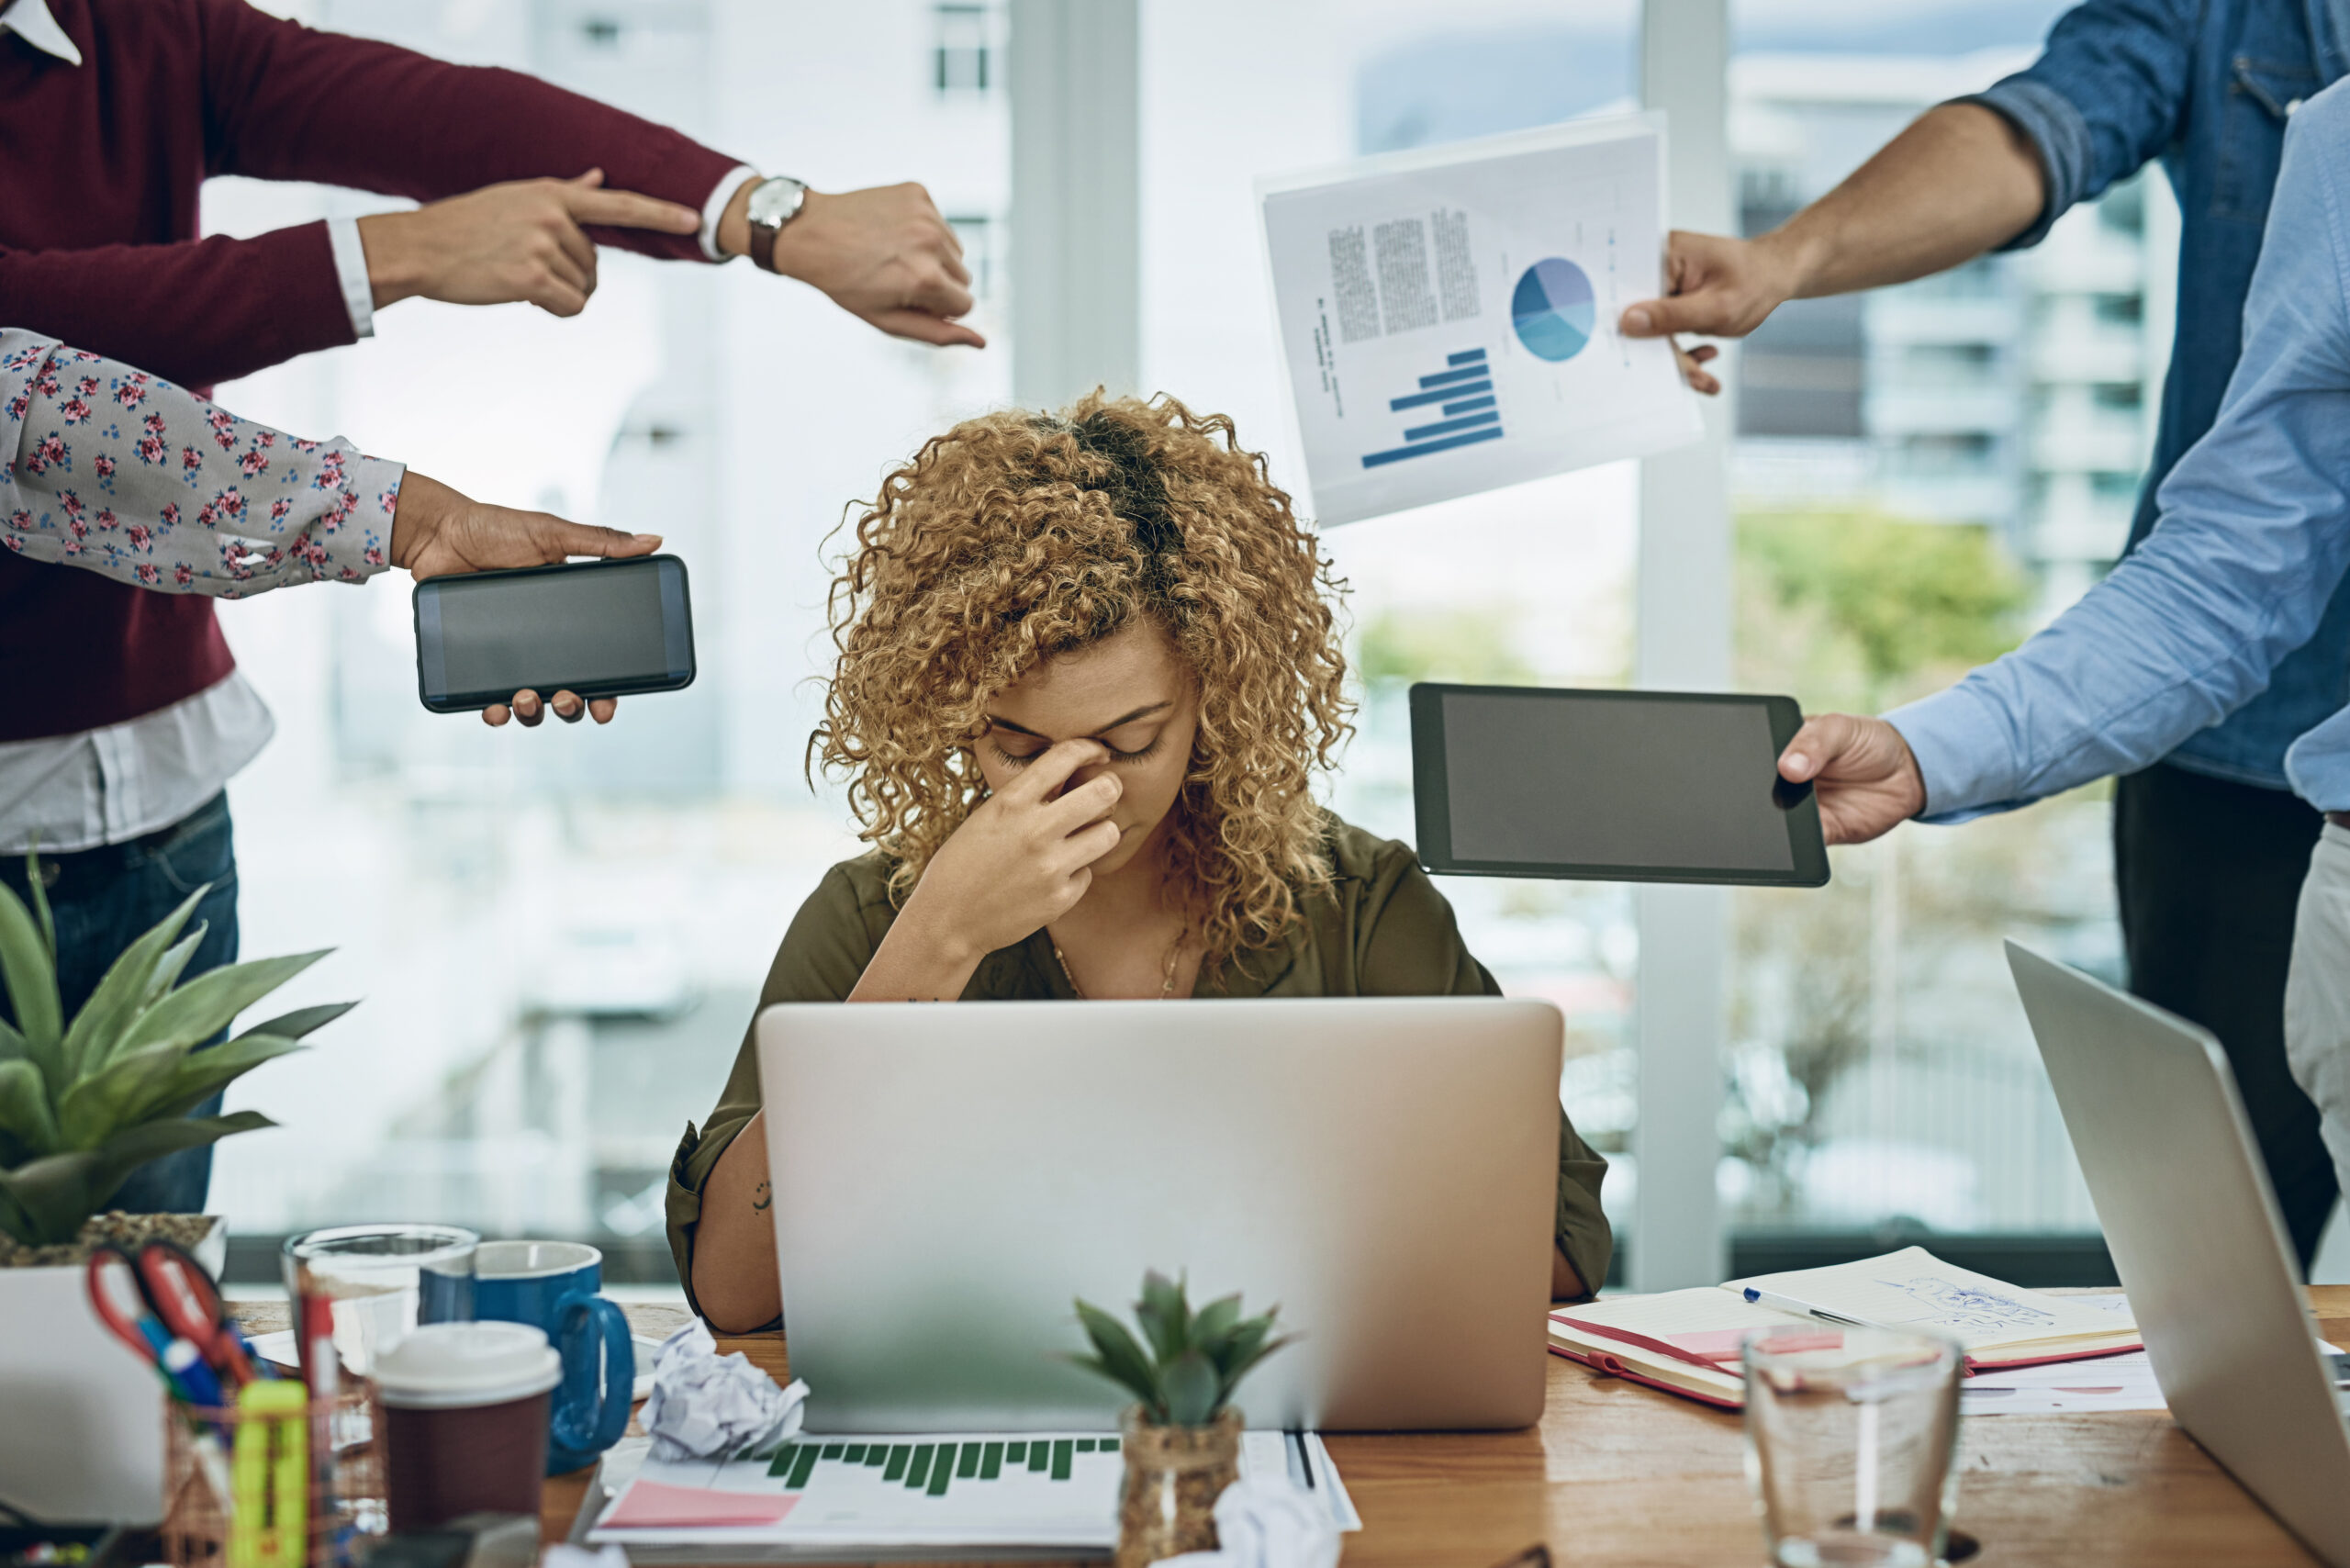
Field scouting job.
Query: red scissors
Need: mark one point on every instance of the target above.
(180, 1301)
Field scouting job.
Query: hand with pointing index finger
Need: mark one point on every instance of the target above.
(525, 240)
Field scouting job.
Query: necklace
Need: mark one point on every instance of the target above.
(1165, 979)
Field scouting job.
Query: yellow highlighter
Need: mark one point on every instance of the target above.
(270, 1477)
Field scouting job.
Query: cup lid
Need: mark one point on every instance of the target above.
(451, 1365)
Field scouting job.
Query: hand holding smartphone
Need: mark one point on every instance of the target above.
(595, 628)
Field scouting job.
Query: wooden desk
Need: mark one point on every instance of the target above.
(1624, 1475)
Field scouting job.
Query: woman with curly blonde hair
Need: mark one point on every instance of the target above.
(1088, 668)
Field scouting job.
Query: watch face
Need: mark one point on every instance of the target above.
(775, 202)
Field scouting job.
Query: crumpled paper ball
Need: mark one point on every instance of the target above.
(1265, 1521)
(706, 1405)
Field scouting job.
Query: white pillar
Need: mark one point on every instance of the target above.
(1684, 641)
(1076, 258)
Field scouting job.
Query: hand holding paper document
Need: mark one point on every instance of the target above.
(1447, 317)
(1688, 1342)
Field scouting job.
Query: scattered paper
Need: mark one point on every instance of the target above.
(650, 1505)
(1265, 1521)
(2064, 1388)
(1447, 317)
(706, 1405)
(863, 1496)
(561, 1555)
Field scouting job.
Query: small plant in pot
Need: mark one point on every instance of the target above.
(83, 1103)
(1182, 1435)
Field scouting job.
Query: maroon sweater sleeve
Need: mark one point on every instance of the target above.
(196, 312)
(282, 101)
(287, 102)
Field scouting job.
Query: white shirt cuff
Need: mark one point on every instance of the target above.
(351, 270)
(715, 207)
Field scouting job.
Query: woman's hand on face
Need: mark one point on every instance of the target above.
(1022, 858)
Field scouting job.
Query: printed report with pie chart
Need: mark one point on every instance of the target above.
(1447, 317)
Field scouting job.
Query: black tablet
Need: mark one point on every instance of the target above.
(1611, 785)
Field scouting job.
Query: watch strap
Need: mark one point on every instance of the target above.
(763, 233)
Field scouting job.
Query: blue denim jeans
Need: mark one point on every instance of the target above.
(103, 900)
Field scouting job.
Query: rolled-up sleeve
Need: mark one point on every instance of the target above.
(106, 468)
(2106, 94)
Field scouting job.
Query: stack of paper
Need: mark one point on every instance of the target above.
(1688, 1342)
(964, 1494)
(2064, 1388)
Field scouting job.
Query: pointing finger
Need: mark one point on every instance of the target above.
(627, 209)
(923, 327)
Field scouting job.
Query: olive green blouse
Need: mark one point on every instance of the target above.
(1380, 929)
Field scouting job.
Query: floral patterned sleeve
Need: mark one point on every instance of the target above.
(124, 473)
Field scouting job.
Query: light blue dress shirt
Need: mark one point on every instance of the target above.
(2254, 537)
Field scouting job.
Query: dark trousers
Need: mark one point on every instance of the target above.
(2210, 873)
(103, 899)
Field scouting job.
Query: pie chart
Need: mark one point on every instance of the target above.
(1552, 308)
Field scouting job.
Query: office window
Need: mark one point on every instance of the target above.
(1533, 584)
(1880, 1074)
(559, 934)
(978, 235)
(961, 58)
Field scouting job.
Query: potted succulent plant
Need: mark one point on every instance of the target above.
(83, 1103)
(1181, 1435)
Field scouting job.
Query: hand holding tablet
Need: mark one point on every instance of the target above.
(1611, 785)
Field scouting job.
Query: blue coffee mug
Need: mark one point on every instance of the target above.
(552, 1286)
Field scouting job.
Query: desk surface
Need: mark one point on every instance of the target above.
(1622, 1474)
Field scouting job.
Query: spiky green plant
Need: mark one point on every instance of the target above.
(83, 1105)
(1195, 1359)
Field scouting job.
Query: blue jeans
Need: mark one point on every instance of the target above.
(103, 899)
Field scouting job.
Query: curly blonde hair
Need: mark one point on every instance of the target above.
(1018, 536)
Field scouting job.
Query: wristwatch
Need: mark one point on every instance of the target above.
(773, 204)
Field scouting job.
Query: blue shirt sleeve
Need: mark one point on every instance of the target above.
(2108, 93)
(2254, 536)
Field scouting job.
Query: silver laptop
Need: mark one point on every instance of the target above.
(949, 1178)
(2195, 1236)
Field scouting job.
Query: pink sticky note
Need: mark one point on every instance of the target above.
(650, 1505)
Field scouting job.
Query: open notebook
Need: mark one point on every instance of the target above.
(1687, 1341)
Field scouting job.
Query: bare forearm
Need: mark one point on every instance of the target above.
(1960, 181)
(917, 963)
(736, 1279)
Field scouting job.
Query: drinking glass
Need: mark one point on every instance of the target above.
(1850, 1437)
(379, 1277)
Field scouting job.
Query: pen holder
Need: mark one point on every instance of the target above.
(341, 1485)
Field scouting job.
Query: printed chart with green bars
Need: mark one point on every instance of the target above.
(1043, 1489)
(933, 1467)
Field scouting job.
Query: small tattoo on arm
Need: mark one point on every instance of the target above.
(760, 1198)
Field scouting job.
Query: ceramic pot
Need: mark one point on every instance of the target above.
(82, 1442)
(1174, 1474)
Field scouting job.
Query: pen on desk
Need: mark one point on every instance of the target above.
(1789, 1304)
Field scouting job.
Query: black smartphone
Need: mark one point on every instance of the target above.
(597, 628)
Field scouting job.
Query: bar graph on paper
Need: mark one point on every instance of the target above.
(861, 1496)
(1449, 315)
(1455, 407)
